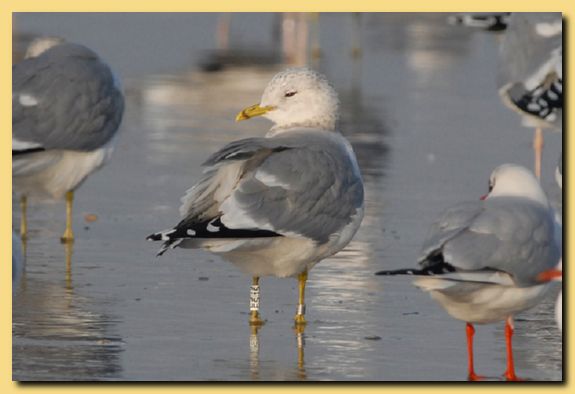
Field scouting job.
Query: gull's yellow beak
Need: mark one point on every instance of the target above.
(253, 111)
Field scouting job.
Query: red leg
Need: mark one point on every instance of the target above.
(472, 376)
(510, 373)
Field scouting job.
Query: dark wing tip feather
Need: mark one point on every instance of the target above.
(436, 269)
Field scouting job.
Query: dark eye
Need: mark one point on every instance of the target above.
(292, 93)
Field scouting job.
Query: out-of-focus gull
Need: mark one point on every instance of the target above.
(277, 205)
(557, 275)
(531, 73)
(490, 21)
(66, 109)
(559, 171)
(481, 258)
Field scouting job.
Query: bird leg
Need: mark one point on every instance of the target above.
(68, 236)
(299, 317)
(255, 319)
(510, 372)
(23, 218)
(472, 376)
(537, 150)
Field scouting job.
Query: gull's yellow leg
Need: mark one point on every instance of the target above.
(23, 218)
(255, 319)
(299, 317)
(68, 235)
(538, 150)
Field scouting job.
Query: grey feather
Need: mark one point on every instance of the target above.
(508, 234)
(79, 106)
(523, 49)
(324, 189)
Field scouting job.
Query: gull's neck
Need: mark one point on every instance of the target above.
(321, 124)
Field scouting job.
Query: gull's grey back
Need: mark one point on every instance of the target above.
(323, 188)
(66, 98)
(509, 234)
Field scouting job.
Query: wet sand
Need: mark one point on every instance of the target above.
(422, 112)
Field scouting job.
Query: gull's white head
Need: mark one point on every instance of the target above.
(512, 180)
(297, 97)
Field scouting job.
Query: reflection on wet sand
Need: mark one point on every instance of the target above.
(412, 104)
(300, 340)
(254, 352)
(53, 322)
(299, 370)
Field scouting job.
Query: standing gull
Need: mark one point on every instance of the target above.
(481, 260)
(66, 109)
(276, 206)
(556, 274)
(531, 73)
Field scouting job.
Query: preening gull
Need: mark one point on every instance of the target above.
(277, 205)
(481, 259)
(66, 108)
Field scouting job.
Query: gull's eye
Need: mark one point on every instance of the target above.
(490, 186)
(290, 93)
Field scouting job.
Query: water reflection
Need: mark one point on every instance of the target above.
(52, 322)
(420, 88)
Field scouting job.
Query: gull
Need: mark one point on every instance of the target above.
(66, 109)
(277, 205)
(531, 73)
(481, 259)
(557, 273)
(490, 21)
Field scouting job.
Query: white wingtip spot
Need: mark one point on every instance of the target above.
(549, 29)
(165, 234)
(211, 228)
(190, 232)
(27, 100)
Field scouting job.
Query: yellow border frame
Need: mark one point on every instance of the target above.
(7, 7)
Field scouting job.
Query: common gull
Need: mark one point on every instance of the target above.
(277, 205)
(66, 108)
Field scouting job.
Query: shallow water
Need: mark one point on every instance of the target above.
(422, 112)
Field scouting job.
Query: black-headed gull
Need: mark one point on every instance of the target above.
(481, 258)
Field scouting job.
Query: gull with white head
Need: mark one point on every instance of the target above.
(277, 205)
(66, 109)
(481, 259)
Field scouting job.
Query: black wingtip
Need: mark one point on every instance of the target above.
(154, 237)
(408, 271)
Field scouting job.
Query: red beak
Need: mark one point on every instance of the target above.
(483, 197)
(549, 275)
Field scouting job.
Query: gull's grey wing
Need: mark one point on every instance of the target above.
(66, 98)
(527, 44)
(451, 223)
(305, 184)
(506, 234)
